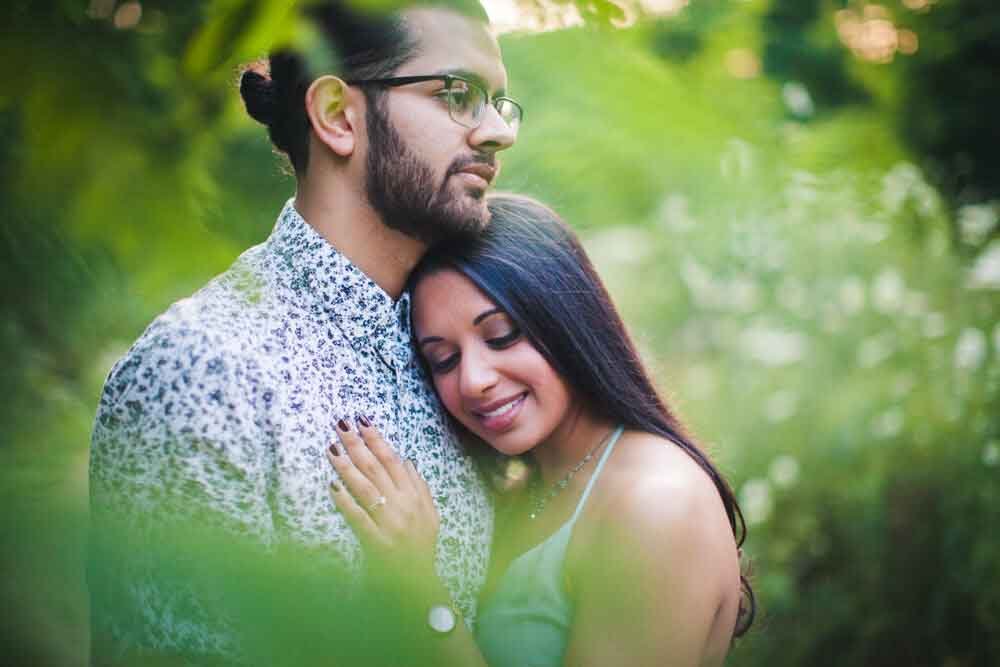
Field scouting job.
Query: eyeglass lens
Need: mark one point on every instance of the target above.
(466, 102)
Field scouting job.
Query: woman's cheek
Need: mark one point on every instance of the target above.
(449, 396)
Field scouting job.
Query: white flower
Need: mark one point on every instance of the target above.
(985, 272)
(742, 294)
(621, 244)
(674, 215)
(991, 453)
(832, 318)
(699, 381)
(935, 325)
(873, 232)
(888, 424)
(915, 303)
(793, 296)
(970, 349)
(781, 406)
(903, 385)
(755, 501)
(797, 98)
(784, 471)
(976, 221)
(772, 346)
(905, 183)
(875, 350)
(888, 290)
(737, 160)
(852, 295)
(700, 283)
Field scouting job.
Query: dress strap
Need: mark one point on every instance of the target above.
(597, 472)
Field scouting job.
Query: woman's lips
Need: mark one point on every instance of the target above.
(501, 417)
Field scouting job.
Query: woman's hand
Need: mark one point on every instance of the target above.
(385, 501)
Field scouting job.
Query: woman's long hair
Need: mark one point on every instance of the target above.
(530, 263)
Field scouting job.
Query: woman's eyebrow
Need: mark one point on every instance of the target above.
(489, 313)
(428, 340)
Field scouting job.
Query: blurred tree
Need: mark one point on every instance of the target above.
(800, 45)
(935, 67)
(949, 87)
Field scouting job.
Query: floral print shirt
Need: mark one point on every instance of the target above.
(227, 403)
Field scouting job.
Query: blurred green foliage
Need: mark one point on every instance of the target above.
(803, 239)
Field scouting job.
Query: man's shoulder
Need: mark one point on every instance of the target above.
(209, 337)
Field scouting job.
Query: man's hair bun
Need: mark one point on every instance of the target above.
(258, 95)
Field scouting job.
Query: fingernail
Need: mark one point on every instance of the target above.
(364, 421)
(334, 449)
(412, 462)
(342, 425)
(336, 487)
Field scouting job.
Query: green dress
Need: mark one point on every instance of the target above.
(525, 622)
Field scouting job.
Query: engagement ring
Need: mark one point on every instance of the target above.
(378, 503)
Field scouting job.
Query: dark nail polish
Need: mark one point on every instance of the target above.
(336, 487)
(342, 425)
(334, 450)
(364, 421)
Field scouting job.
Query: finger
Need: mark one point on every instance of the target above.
(385, 454)
(357, 518)
(356, 484)
(364, 460)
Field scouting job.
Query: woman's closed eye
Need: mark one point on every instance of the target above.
(505, 340)
(443, 363)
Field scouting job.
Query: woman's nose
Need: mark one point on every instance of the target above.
(478, 375)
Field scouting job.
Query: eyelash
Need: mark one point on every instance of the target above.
(499, 343)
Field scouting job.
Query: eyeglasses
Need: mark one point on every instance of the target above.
(466, 100)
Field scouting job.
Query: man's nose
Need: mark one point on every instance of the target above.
(493, 134)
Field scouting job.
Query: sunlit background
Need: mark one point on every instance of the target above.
(794, 203)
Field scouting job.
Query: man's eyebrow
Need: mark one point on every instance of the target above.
(469, 75)
(489, 313)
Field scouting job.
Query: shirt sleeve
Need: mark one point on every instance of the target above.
(180, 449)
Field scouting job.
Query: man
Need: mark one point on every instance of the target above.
(221, 412)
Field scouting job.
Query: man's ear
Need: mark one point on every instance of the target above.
(332, 113)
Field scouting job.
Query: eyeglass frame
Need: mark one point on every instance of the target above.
(395, 81)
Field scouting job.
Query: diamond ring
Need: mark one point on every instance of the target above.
(381, 500)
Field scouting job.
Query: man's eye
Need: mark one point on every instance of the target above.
(458, 97)
(507, 340)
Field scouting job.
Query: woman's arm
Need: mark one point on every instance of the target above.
(390, 508)
(655, 579)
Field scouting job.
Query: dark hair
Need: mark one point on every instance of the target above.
(365, 46)
(531, 264)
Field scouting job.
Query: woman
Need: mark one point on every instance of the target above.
(623, 550)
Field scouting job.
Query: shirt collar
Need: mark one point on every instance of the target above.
(317, 274)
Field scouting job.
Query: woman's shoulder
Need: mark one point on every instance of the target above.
(653, 491)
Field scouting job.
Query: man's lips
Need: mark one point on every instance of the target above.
(483, 171)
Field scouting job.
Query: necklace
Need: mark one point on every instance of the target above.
(540, 500)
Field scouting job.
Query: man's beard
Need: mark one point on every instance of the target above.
(401, 189)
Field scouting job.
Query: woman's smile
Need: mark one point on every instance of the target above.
(499, 416)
